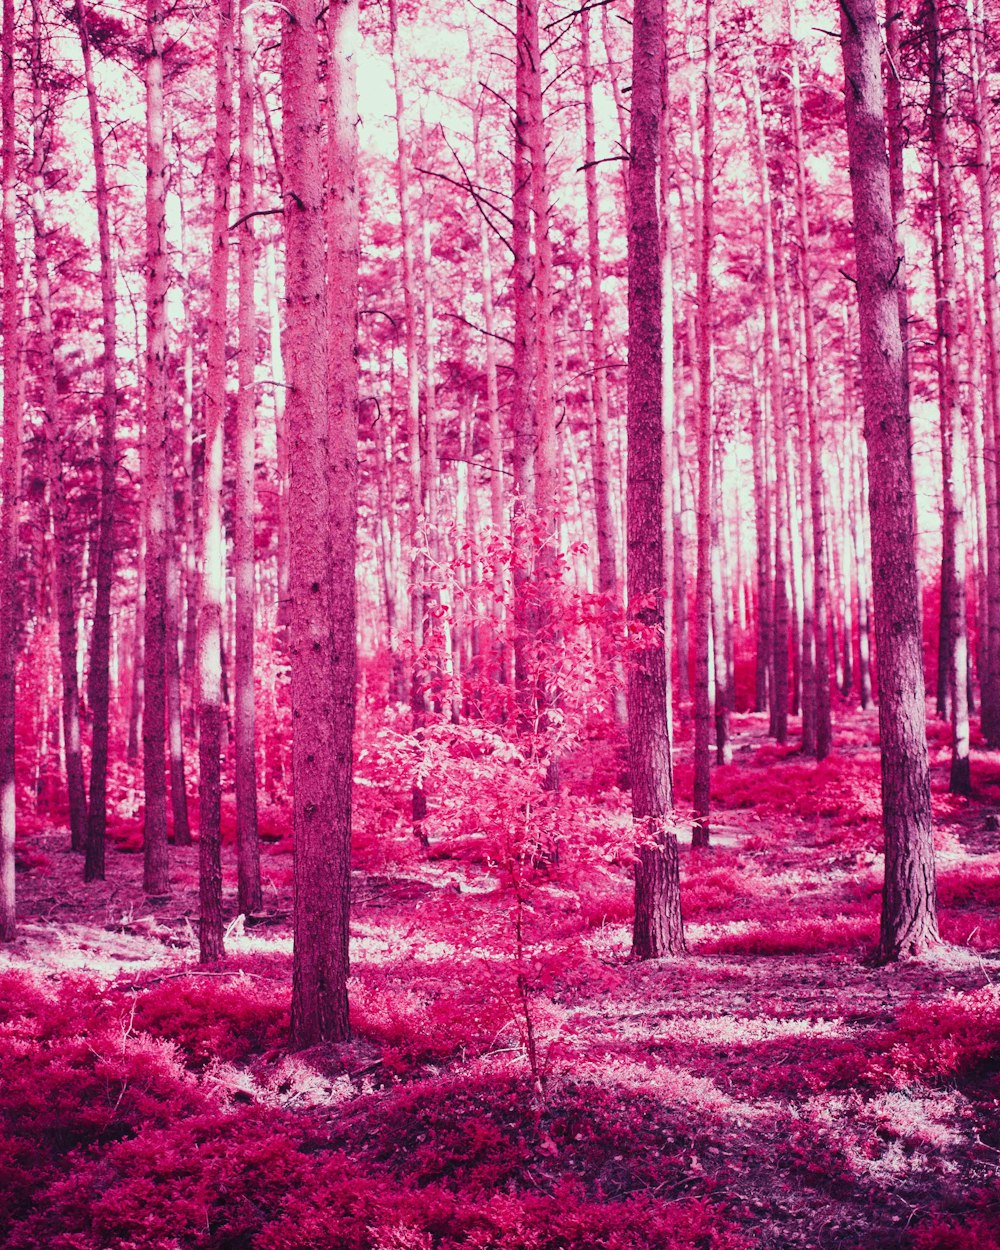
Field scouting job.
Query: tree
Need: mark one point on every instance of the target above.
(10, 471)
(322, 640)
(211, 715)
(155, 865)
(657, 929)
(248, 846)
(909, 901)
(55, 454)
(954, 632)
(100, 647)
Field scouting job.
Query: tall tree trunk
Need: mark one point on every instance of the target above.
(607, 541)
(417, 536)
(63, 563)
(99, 683)
(953, 585)
(244, 722)
(343, 261)
(495, 434)
(175, 711)
(703, 583)
(819, 589)
(909, 899)
(721, 610)
(990, 687)
(155, 863)
(657, 930)
(322, 408)
(524, 382)
(10, 472)
(773, 370)
(762, 516)
(211, 715)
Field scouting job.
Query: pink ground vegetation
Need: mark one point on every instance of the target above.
(768, 1089)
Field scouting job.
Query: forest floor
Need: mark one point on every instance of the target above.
(769, 1089)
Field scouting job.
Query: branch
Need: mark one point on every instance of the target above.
(479, 201)
(477, 463)
(603, 161)
(259, 212)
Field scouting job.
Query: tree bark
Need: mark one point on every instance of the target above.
(778, 708)
(819, 589)
(63, 563)
(607, 538)
(703, 580)
(321, 505)
(10, 472)
(953, 587)
(99, 684)
(909, 903)
(657, 929)
(155, 862)
(244, 721)
(418, 537)
(990, 683)
(211, 715)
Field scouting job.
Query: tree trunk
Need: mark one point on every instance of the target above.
(909, 903)
(322, 407)
(607, 539)
(247, 845)
(63, 570)
(418, 537)
(175, 711)
(657, 929)
(703, 582)
(721, 627)
(990, 684)
(155, 864)
(10, 474)
(762, 516)
(99, 683)
(953, 586)
(211, 716)
(820, 611)
(778, 726)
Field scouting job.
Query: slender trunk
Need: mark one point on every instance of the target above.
(862, 555)
(175, 711)
(821, 623)
(247, 845)
(99, 684)
(524, 382)
(322, 411)
(277, 366)
(762, 516)
(607, 538)
(778, 727)
(155, 865)
(953, 587)
(657, 929)
(137, 684)
(495, 434)
(211, 716)
(63, 570)
(10, 473)
(909, 903)
(721, 627)
(668, 519)
(703, 584)
(990, 688)
(418, 538)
